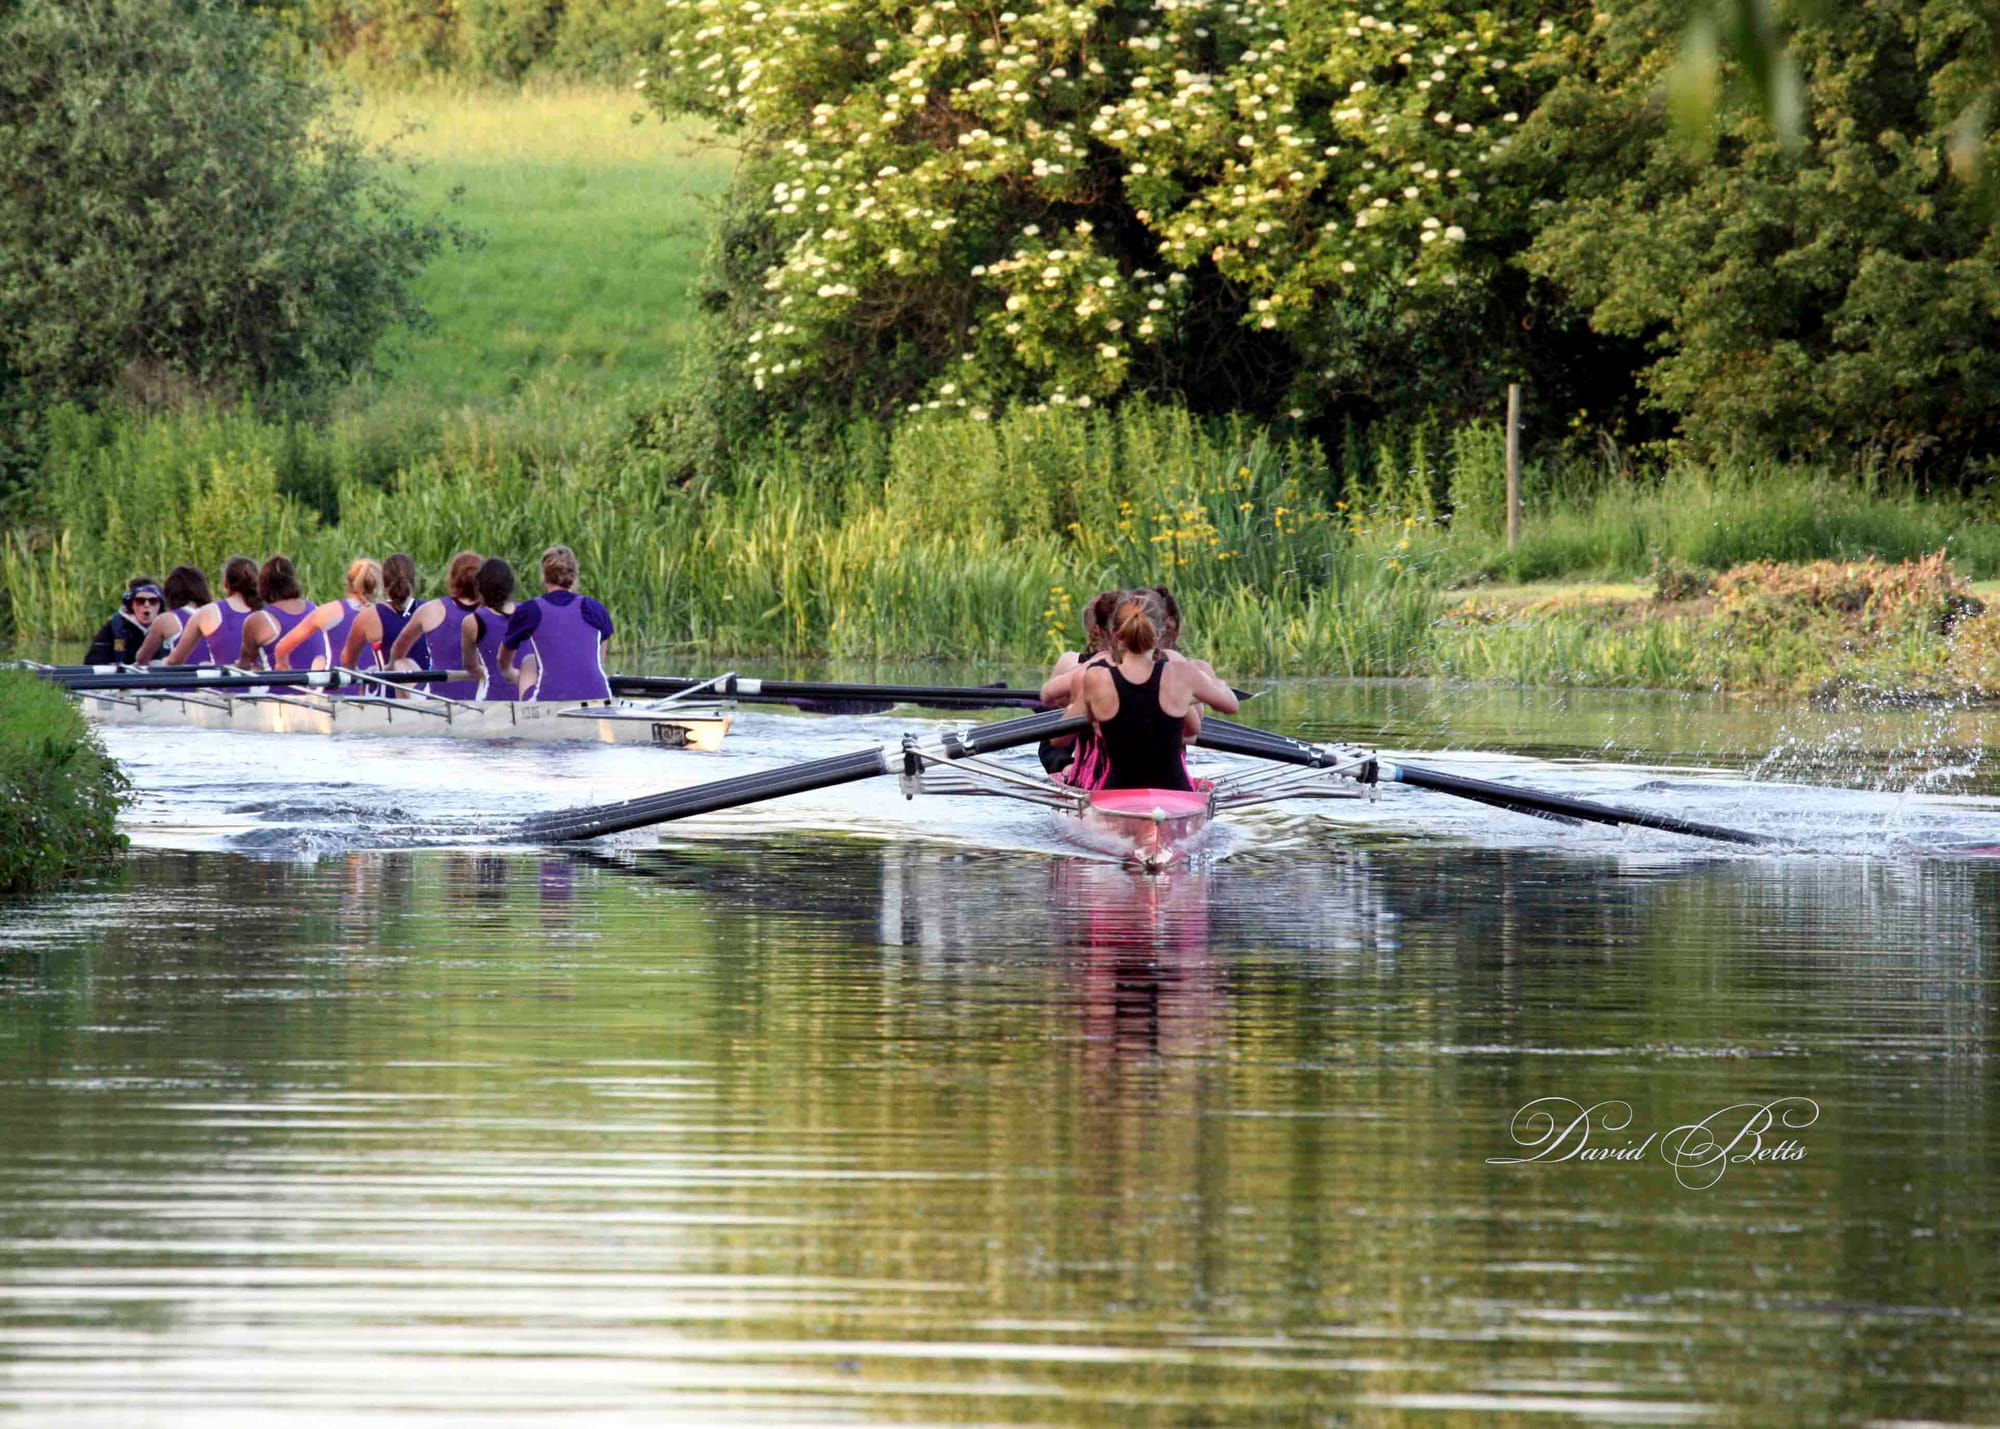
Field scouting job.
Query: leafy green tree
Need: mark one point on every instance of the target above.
(180, 214)
(1834, 295)
(1273, 206)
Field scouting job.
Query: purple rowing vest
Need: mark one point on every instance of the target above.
(225, 646)
(336, 638)
(393, 621)
(493, 630)
(312, 648)
(441, 651)
(569, 653)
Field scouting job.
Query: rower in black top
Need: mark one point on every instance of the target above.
(1142, 742)
(1145, 706)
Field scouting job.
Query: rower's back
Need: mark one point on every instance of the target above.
(1140, 741)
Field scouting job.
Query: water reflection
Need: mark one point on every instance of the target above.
(830, 1128)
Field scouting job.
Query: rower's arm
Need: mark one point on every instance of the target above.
(1203, 685)
(1061, 684)
(190, 634)
(258, 631)
(314, 624)
(366, 630)
(468, 643)
(157, 634)
(406, 639)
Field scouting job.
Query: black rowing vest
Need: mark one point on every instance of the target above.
(1142, 743)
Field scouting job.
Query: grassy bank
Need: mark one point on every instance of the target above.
(591, 229)
(59, 793)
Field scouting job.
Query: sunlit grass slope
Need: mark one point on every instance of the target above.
(593, 229)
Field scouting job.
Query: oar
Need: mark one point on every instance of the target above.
(228, 677)
(590, 823)
(831, 698)
(1242, 739)
(846, 699)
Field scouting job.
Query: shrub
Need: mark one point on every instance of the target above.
(1836, 298)
(181, 215)
(1253, 208)
(59, 791)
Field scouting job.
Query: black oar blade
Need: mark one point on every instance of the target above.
(1531, 801)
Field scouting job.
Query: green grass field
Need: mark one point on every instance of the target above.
(593, 229)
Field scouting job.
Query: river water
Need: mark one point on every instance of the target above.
(328, 1105)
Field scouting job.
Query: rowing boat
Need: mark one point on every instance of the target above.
(671, 726)
(1150, 829)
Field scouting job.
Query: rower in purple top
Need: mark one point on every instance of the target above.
(335, 620)
(434, 628)
(187, 592)
(373, 634)
(214, 635)
(565, 633)
(285, 609)
(482, 631)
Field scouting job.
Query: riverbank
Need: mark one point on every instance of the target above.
(59, 791)
(1827, 630)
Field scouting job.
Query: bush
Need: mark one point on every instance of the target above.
(182, 216)
(59, 791)
(1836, 299)
(1253, 209)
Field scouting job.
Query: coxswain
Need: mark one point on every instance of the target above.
(564, 631)
(214, 636)
(429, 641)
(373, 634)
(119, 639)
(482, 631)
(1144, 706)
(285, 609)
(1075, 759)
(186, 593)
(335, 620)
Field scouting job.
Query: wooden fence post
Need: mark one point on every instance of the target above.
(1513, 462)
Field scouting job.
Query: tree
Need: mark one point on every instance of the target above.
(180, 214)
(1834, 295)
(1272, 206)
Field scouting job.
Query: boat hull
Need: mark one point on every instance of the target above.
(1151, 829)
(584, 721)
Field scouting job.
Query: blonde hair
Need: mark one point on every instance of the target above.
(559, 567)
(364, 579)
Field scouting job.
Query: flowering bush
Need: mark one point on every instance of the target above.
(1253, 204)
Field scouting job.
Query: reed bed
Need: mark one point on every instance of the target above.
(968, 539)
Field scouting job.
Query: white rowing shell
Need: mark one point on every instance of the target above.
(590, 721)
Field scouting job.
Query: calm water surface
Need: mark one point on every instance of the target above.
(824, 1117)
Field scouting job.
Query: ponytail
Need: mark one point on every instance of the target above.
(239, 578)
(1138, 623)
(399, 579)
